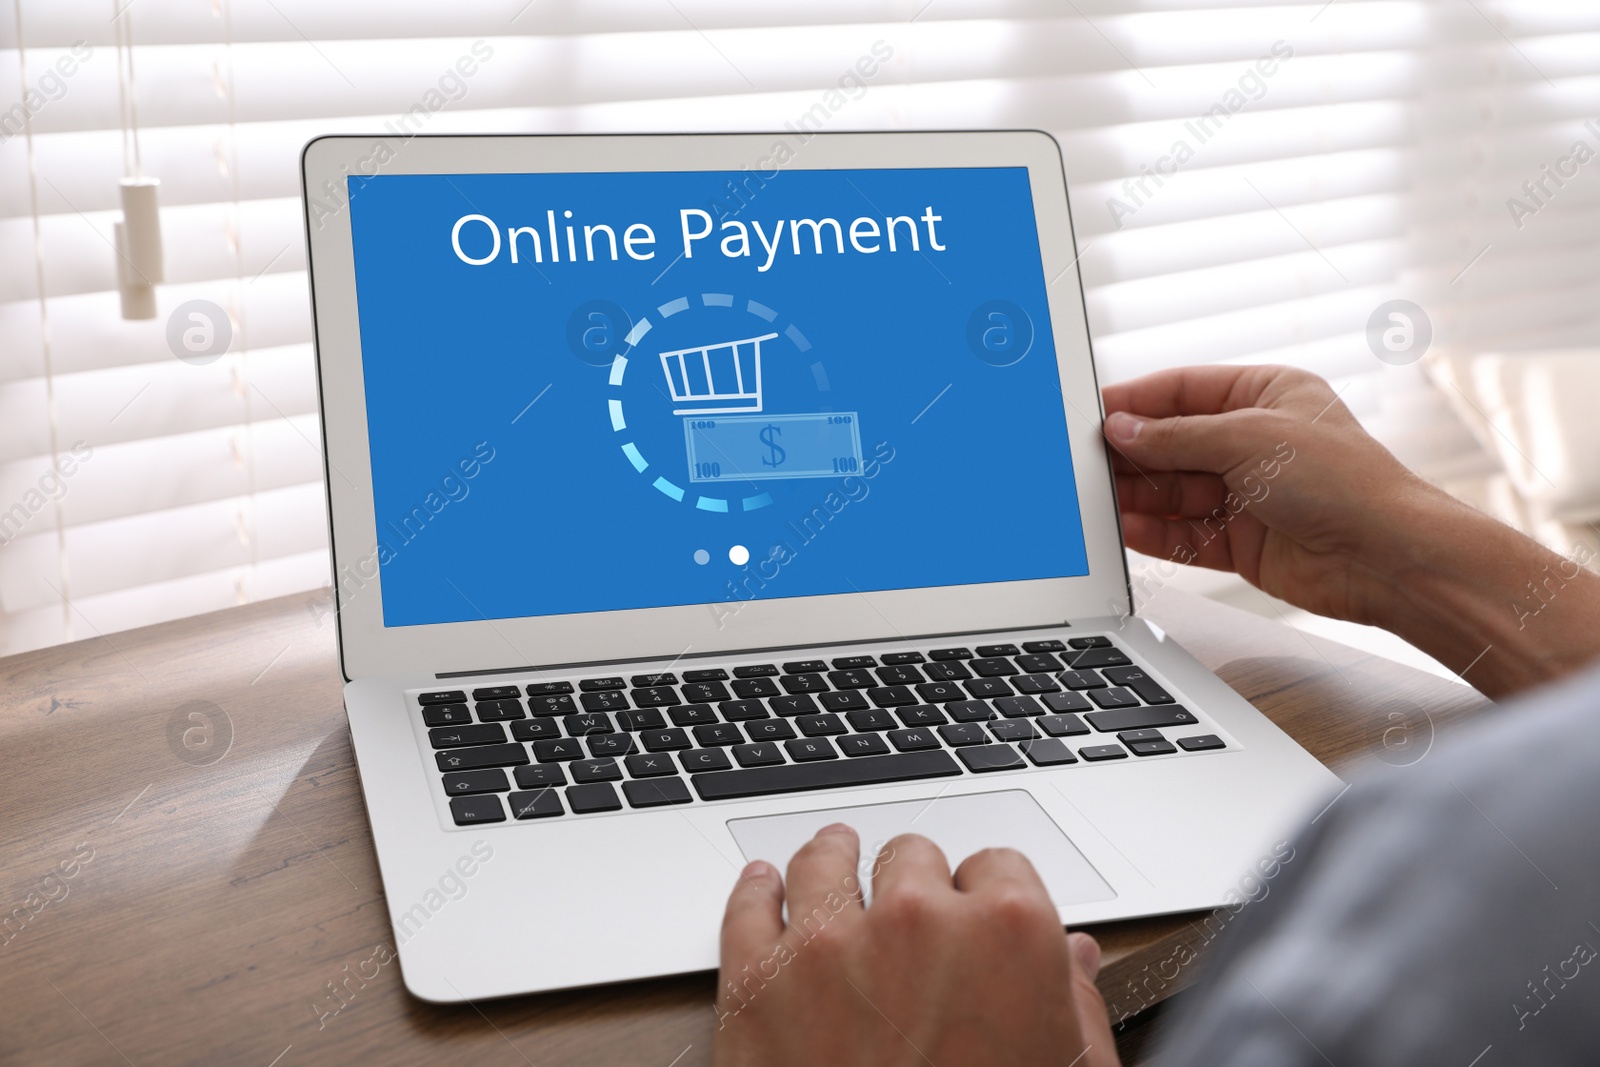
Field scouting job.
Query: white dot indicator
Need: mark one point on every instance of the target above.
(702, 557)
(739, 554)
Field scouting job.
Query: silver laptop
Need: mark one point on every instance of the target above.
(689, 493)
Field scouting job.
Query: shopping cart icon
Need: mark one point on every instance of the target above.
(716, 378)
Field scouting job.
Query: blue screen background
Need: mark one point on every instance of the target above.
(967, 477)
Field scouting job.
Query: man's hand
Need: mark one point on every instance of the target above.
(973, 969)
(1261, 470)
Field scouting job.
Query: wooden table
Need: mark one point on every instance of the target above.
(185, 840)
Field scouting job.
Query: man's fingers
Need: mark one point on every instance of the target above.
(1209, 443)
(1171, 493)
(995, 866)
(1094, 1023)
(1179, 540)
(822, 875)
(910, 861)
(1188, 391)
(753, 921)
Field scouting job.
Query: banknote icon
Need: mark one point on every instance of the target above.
(747, 448)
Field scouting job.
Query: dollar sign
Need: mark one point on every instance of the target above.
(767, 434)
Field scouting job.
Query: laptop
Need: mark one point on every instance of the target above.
(690, 493)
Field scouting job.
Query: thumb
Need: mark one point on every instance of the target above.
(1211, 443)
(1094, 1023)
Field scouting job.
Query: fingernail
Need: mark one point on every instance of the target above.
(1086, 950)
(836, 828)
(1123, 428)
(757, 870)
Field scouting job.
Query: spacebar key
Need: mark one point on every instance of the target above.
(795, 777)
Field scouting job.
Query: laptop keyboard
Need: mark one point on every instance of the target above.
(602, 744)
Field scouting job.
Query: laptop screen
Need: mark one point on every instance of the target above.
(593, 392)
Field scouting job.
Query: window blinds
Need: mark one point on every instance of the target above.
(1334, 156)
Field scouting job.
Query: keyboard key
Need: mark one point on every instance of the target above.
(595, 685)
(897, 659)
(1096, 657)
(922, 715)
(1061, 703)
(950, 653)
(963, 733)
(1051, 645)
(459, 736)
(742, 710)
(718, 733)
(863, 745)
(1131, 737)
(611, 745)
(853, 679)
(982, 688)
(585, 799)
(1039, 663)
(548, 688)
(561, 703)
(646, 765)
(705, 692)
(755, 687)
(850, 663)
(466, 783)
(1152, 748)
(769, 730)
(1013, 730)
(596, 770)
(795, 705)
(663, 740)
(654, 794)
(1135, 678)
(693, 715)
(1017, 707)
(970, 711)
(1110, 722)
(804, 666)
(755, 670)
(608, 701)
(892, 696)
(642, 719)
(1062, 725)
(442, 696)
(905, 675)
(992, 668)
(1114, 698)
(463, 759)
(913, 740)
(704, 759)
(538, 804)
(1102, 752)
(497, 692)
(871, 719)
(715, 674)
(820, 725)
(1047, 752)
(647, 680)
(1076, 680)
(947, 672)
(1090, 642)
(1035, 683)
(941, 692)
(585, 723)
(791, 778)
(807, 749)
(535, 729)
(845, 701)
(998, 650)
(469, 810)
(982, 758)
(559, 749)
(499, 710)
(540, 776)
(655, 697)
(763, 754)
(803, 683)
(446, 715)
(1202, 743)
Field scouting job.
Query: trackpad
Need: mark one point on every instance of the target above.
(960, 825)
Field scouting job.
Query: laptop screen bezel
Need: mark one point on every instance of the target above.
(368, 648)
